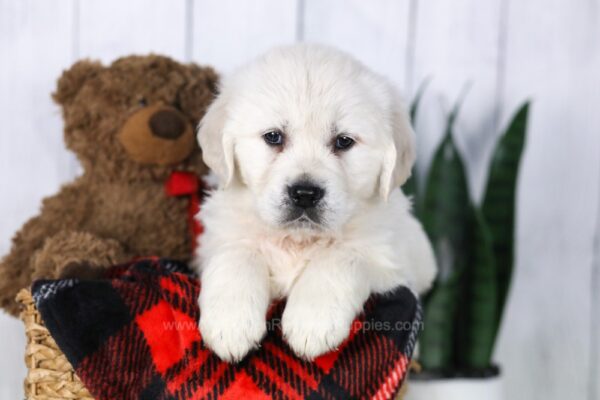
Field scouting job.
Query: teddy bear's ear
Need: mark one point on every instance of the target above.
(199, 91)
(73, 79)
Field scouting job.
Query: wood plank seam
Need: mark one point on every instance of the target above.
(501, 64)
(594, 373)
(189, 30)
(300, 25)
(411, 43)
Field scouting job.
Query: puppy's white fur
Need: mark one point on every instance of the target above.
(365, 241)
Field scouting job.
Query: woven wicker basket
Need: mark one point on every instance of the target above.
(50, 376)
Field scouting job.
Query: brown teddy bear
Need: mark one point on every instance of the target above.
(131, 125)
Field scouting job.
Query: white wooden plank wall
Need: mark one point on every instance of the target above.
(228, 33)
(553, 56)
(456, 46)
(35, 45)
(505, 50)
(108, 29)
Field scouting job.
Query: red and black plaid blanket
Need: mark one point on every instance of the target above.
(134, 335)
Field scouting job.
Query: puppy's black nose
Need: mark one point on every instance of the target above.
(305, 195)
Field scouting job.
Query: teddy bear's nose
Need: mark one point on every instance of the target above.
(167, 124)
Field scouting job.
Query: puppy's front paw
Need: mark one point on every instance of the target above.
(312, 330)
(231, 332)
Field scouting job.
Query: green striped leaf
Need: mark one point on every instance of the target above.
(477, 316)
(499, 201)
(445, 217)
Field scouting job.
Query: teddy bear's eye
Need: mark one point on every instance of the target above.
(177, 104)
(142, 102)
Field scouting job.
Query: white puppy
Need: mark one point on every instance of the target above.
(310, 149)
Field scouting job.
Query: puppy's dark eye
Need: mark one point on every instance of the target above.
(142, 102)
(273, 138)
(343, 142)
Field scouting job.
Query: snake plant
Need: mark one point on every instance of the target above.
(474, 247)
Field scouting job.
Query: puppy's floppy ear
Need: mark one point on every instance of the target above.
(399, 155)
(217, 147)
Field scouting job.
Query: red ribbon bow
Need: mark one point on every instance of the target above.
(183, 183)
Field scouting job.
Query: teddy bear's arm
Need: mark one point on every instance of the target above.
(76, 254)
(64, 211)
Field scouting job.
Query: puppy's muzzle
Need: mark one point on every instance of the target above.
(305, 195)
